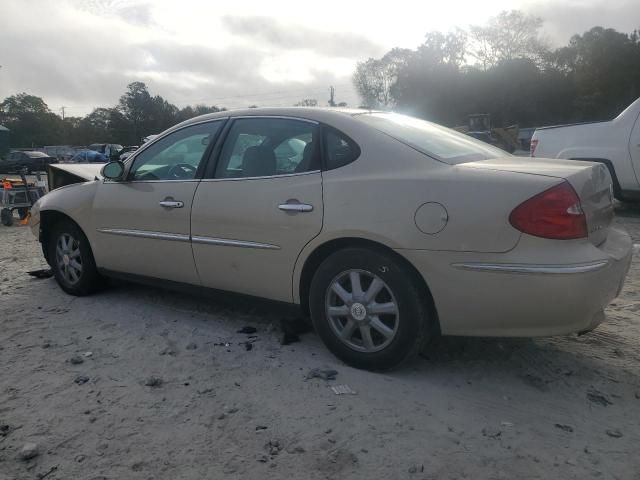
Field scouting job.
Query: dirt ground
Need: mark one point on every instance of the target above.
(566, 407)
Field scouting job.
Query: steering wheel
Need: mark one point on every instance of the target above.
(181, 171)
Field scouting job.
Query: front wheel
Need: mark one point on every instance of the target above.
(72, 261)
(367, 308)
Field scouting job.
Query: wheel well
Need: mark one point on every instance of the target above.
(48, 218)
(326, 249)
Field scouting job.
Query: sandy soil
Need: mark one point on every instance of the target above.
(564, 407)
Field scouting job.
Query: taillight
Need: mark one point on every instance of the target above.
(532, 148)
(555, 213)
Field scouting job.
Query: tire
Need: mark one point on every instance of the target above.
(64, 261)
(6, 216)
(406, 329)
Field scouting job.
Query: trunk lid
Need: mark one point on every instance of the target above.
(591, 181)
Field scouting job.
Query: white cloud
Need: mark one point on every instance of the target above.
(83, 53)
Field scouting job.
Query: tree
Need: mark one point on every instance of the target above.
(604, 66)
(307, 102)
(136, 106)
(374, 79)
(30, 120)
(509, 35)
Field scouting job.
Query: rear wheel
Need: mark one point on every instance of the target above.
(367, 308)
(72, 260)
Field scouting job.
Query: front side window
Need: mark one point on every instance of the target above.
(262, 147)
(176, 156)
(431, 139)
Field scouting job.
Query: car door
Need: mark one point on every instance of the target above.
(260, 205)
(143, 223)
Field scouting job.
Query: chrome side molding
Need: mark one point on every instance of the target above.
(529, 268)
(233, 243)
(178, 237)
(175, 237)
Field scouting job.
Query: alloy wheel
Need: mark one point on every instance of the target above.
(362, 311)
(68, 258)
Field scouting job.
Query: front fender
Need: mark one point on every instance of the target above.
(73, 201)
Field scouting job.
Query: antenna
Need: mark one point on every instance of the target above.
(332, 92)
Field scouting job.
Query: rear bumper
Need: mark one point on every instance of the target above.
(481, 295)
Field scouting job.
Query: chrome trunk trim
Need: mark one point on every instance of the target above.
(537, 269)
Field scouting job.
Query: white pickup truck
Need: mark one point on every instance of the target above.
(615, 143)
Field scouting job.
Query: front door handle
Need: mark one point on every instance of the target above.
(171, 204)
(295, 207)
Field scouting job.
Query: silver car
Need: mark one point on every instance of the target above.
(388, 230)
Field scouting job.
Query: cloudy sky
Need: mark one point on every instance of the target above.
(83, 53)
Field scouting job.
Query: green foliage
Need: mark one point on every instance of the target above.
(513, 75)
(137, 115)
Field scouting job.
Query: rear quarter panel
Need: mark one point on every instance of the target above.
(377, 196)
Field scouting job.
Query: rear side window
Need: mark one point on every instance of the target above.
(266, 147)
(339, 149)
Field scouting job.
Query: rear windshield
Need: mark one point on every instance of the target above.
(431, 139)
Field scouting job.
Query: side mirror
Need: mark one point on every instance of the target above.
(113, 170)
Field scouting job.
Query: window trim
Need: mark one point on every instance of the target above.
(212, 164)
(323, 147)
(129, 162)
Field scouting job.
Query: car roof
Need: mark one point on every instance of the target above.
(319, 114)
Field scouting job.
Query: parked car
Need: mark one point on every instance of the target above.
(89, 156)
(109, 150)
(32, 161)
(387, 229)
(615, 144)
(126, 152)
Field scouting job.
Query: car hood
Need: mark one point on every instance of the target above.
(61, 174)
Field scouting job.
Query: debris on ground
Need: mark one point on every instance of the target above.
(594, 396)
(76, 360)
(248, 346)
(248, 330)
(44, 273)
(273, 447)
(260, 427)
(292, 328)
(81, 379)
(491, 432)
(416, 469)
(88, 354)
(29, 451)
(566, 428)
(295, 449)
(42, 476)
(153, 381)
(343, 390)
(324, 374)
(191, 346)
(614, 433)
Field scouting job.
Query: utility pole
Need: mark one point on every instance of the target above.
(332, 92)
(62, 108)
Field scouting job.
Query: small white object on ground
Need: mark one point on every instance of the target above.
(343, 390)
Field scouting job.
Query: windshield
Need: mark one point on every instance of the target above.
(431, 139)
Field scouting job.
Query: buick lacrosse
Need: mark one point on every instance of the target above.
(386, 229)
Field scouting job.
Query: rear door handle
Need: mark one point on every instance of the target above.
(171, 204)
(295, 207)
